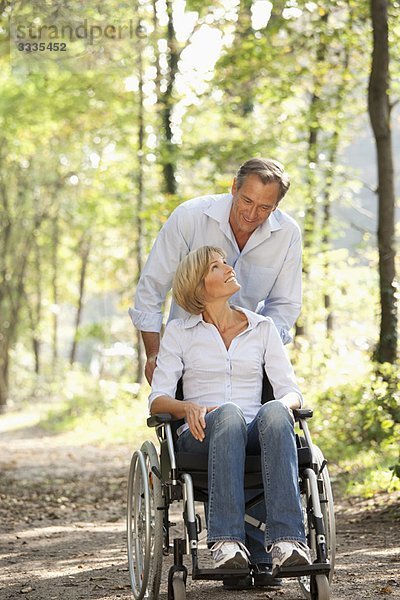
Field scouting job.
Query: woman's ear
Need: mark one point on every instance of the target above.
(201, 295)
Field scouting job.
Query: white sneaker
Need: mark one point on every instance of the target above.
(230, 555)
(289, 554)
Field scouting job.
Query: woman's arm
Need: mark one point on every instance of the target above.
(194, 414)
(169, 369)
(291, 400)
(166, 404)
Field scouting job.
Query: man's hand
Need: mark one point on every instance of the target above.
(150, 366)
(195, 418)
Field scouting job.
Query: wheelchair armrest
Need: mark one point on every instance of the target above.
(302, 413)
(160, 419)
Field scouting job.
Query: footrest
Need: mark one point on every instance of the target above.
(215, 574)
(300, 570)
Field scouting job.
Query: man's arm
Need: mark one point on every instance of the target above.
(155, 282)
(279, 369)
(283, 303)
(151, 341)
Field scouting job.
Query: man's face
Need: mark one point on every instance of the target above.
(252, 204)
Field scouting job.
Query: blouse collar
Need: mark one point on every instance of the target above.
(252, 317)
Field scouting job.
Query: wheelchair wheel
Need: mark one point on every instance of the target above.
(144, 524)
(318, 588)
(322, 587)
(328, 511)
(178, 587)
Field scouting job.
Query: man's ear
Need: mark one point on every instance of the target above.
(276, 205)
(233, 187)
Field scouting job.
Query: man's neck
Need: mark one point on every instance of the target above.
(241, 238)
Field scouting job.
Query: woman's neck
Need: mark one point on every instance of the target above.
(220, 314)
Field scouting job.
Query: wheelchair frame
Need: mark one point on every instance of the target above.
(154, 484)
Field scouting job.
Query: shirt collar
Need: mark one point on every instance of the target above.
(252, 317)
(192, 320)
(273, 221)
(220, 210)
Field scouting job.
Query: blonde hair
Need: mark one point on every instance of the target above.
(188, 284)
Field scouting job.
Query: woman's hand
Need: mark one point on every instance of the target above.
(195, 418)
(291, 401)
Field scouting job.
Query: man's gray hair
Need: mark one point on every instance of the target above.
(268, 170)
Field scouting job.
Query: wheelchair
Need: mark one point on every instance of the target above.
(157, 480)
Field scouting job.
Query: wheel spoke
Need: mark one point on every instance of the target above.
(144, 524)
(319, 589)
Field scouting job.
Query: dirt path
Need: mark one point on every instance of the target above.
(63, 531)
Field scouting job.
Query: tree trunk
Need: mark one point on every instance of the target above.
(35, 339)
(155, 38)
(139, 201)
(37, 312)
(379, 112)
(168, 151)
(4, 356)
(309, 237)
(85, 251)
(5, 280)
(310, 212)
(329, 183)
(326, 230)
(243, 32)
(9, 321)
(54, 288)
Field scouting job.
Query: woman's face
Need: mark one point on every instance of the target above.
(220, 280)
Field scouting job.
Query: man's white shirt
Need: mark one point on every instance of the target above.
(268, 267)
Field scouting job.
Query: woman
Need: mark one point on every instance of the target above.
(220, 352)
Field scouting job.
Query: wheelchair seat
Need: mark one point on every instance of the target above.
(197, 466)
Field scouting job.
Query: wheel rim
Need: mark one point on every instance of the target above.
(305, 581)
(328, 513)
(327, 509)
(323, 589)
(138, 526)
(155, 519)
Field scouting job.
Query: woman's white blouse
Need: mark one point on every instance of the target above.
(212, 375)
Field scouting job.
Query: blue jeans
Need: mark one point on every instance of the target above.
(226, 442)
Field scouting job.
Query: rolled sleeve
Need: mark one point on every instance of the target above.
(145, 321)
(286, 337)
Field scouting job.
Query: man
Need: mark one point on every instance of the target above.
(262, 243)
